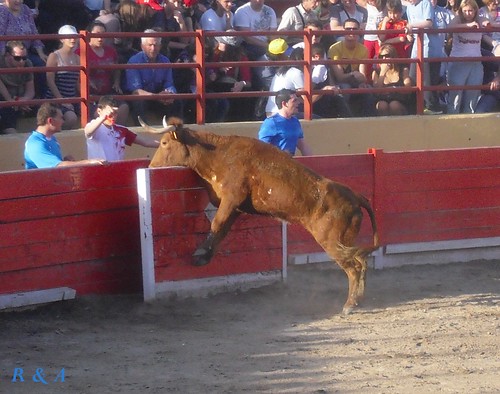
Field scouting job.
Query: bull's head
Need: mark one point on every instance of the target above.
(172, 151)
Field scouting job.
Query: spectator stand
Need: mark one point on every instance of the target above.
(200, 65)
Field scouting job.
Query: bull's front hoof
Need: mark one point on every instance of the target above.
(347, 309)
(201, 257)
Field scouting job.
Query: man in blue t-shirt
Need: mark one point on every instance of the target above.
(283, 129)
(41, 148)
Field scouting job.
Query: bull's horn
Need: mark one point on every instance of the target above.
(155, 130)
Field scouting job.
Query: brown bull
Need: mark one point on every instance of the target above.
(247, 175)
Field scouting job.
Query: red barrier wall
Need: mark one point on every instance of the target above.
(75, 226)
(79, 227)
(437, 195)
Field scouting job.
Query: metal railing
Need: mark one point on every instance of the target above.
(201, 95)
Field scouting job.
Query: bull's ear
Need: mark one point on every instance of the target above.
(179, 134)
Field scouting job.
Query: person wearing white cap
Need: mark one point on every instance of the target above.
(64, 83)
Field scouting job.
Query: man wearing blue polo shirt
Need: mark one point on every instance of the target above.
(149, 81)
(283, 129)
(42, 149)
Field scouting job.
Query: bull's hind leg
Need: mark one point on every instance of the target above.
(222, 222)
(337, 241)
(354, 276)
(362, 278)
(354, 271)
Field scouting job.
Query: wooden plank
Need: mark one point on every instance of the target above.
(442, 225)
(443, 221)
(171, 247)
(441, 159)
(176, 224)
(341, 165)
(442, 245)
(17, 300)
(110, 275)
(174, 178)
(425, 201)
(41, 254)
(66, 204)
(78, 226)
(207, 286)
(450, 179)
(172, 201)
(222, 265)
(68, 179)
(184, 245)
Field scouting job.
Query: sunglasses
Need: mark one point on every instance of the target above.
(384, 56)
(351, 28)
(19, 58)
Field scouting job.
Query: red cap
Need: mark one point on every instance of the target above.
(189, 3)
(154, 4)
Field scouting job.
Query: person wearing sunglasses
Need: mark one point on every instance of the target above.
(16, 87)
(391, 75)
(352, 75)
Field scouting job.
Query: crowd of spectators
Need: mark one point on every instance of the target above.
(348, 19)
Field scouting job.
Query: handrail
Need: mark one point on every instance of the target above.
(200, 36)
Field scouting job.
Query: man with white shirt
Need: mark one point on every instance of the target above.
(219, 17)
(255, 16)
(296, 18)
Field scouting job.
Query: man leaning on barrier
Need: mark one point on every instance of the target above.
(42, 150)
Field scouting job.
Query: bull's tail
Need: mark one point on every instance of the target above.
(363, 201)
(360, 253)
(354, 253)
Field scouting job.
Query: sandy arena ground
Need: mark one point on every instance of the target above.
(422, 329)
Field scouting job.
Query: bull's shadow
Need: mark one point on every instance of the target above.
(474, 282)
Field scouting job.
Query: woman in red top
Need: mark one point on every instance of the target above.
(102, 81)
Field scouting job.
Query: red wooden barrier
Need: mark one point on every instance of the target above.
(176, 204)
(80, 228)
(437, 195)
(76, 227)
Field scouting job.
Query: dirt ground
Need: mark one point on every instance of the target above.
(422, 329)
